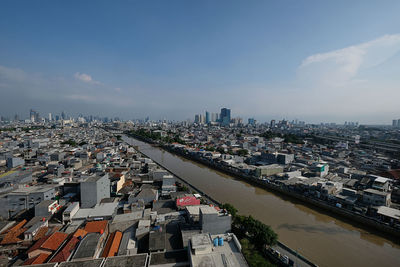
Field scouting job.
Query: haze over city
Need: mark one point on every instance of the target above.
(309, 60)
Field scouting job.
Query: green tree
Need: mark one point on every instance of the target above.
(231, 209)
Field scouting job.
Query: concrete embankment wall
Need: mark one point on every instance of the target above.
(364, 220)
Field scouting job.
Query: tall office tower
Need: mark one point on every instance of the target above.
(16, 117)
(50, 117)
(197, 118)
(202, 119)
(32, 115)
(251, 121)
(225, 117)
(63, 116)
(272, 125)
(208, 117)
(398, 123)
(214, 117)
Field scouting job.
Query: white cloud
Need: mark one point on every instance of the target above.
(85, 78)
(341, 66)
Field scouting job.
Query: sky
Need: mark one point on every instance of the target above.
(317, 61)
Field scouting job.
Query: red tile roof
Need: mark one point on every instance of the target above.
(64, 254)
(54, 241)
(12, 237)
(80, 232)
(115, 244)
(108, 245)
(39, 259)
(96, 226)
(41, 233)
(38, 244)
(17, 226)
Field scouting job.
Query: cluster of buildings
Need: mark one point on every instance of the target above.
(77, 195)
(340, 171)
(223, 118)
(396, 123)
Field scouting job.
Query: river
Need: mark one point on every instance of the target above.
(323, 239)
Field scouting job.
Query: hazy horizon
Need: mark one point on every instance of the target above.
(314, 61)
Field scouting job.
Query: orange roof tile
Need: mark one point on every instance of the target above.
(108, 245)
(96, 226)
(54, 241)
(17, 226)
(115, 244)
(12, 236)
(80, 232)
(39, 259)
(64, 254)
(41, 233)
(38, 244)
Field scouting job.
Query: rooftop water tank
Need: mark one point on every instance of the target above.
(220, 241)
(215, 242)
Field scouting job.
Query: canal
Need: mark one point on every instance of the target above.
(325, 240)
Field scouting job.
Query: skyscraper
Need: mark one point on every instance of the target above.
(251, 121)
(208, 117)
(225, 117)
(214, 117)
(34, 116)
(50, 117)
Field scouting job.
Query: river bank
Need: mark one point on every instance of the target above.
(356, 217)
(294, 255)
(311, 231)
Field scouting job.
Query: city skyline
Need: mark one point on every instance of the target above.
(172, 60)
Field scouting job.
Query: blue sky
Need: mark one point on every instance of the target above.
(311, 60)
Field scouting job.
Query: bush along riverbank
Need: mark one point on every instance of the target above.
(254, 236)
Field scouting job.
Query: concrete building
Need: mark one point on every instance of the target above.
(213, 221)
(225, 117)
(226, 251)
(376, 198)
(268, 170)
(69, 212)
(14, 162)
(46, 208)
(94, 189)
(25, 198)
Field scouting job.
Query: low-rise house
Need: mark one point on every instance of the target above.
(48, 244)
(376, 198)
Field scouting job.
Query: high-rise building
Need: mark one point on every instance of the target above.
(34, 116)
(208, 117)
(272, 125)
(63, 116)
(394, 123)
(50, 117)
(197, 118)
(252, 121)
(214, 117)
(225, 117)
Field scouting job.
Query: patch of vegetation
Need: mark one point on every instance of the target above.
(253, 257)
(253, 235)
(242, 152)
(69, 142)
(156, 136)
